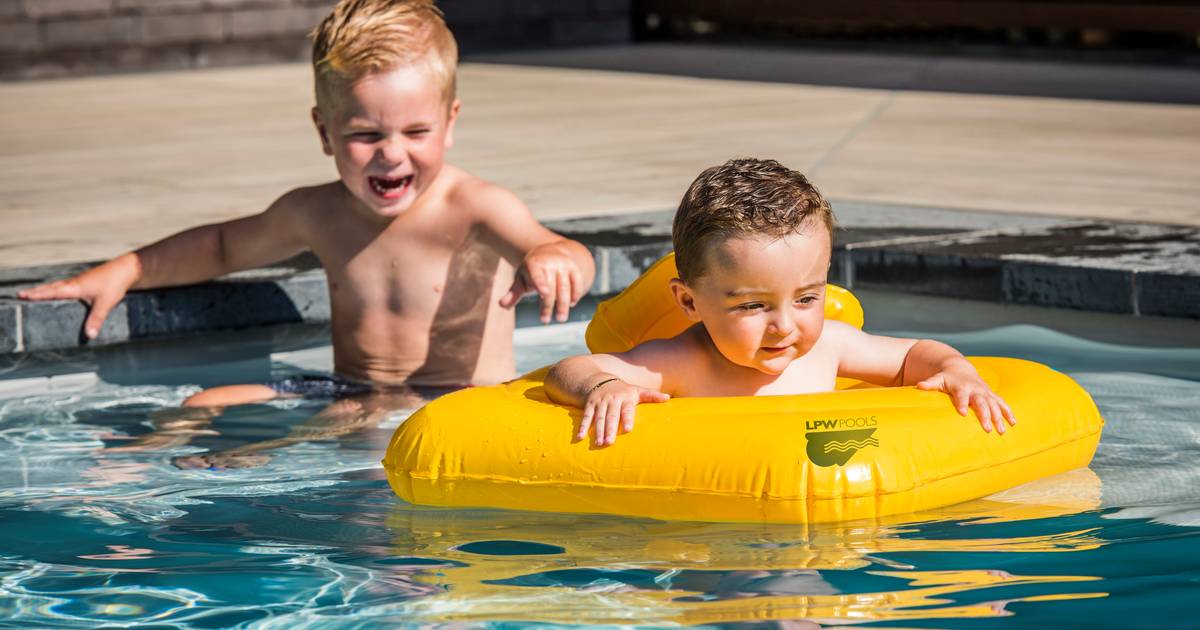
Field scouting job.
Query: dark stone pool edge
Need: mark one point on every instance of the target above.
(1125, 268)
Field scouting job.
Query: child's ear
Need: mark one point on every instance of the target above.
(326, 146)
(685, 299)
(451, 117)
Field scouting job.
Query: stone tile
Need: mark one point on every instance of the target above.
(10, 331)
(839, 267)
(187, 28)
(19, 37)
(1080, 265)
(275, 22)
(43, 9)
(893, 268)
(242, 4)
(226, 305)
(59, 325)
(1169, 294)
(309, 294)
(617, 230)
(150, 7)
(623, 265)
(11, 8)
(233, 304)
(108, 31)
(1128, 246)
(1081, 288)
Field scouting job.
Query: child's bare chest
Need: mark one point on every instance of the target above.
(411, 274)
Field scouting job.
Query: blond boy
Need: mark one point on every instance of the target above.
(424, 261)
(753, 244)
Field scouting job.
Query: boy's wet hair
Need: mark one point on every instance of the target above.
(743, 197)
(362, 37)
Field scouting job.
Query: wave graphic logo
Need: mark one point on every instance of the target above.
(835, 448)
(849, 445)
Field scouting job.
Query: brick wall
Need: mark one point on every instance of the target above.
(50, 38)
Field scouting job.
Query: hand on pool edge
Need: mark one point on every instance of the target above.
(101, 288)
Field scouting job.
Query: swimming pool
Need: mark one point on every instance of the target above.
(314, 537)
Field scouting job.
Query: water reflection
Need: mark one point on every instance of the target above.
(619, 570)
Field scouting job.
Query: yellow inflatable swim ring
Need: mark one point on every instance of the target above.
(859, 452)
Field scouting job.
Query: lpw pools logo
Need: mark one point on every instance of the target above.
(835, 448)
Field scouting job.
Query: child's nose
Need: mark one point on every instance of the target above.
(392, 152)
(781, 324)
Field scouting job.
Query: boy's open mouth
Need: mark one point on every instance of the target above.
(390, 188)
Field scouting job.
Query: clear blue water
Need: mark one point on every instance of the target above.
(315, 538)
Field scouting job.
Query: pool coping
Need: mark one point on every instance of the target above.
(1134, 269)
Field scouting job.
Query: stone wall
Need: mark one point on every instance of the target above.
(52, 38)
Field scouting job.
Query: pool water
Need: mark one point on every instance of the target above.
(314, 537)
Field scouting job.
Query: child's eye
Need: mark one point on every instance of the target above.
(808, 299)
(369, 136)
(750, 306)
(416, 133)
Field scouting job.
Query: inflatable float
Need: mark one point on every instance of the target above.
(858, 452)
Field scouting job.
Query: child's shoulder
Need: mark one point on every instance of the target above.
(477, 196)
(838, 337)
(835, 329)
(307, 201)
(686, 347)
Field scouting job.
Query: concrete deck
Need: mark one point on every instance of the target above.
(92, 167)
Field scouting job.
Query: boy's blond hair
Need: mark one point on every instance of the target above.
(740, 198)
(362, 37)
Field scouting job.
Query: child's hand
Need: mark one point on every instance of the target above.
(554, 275)
(966, 388)
(610, 403)
(101, 288)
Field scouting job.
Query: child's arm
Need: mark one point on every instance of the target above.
(608, 387)
(928, 364)
(933, 365)
(559, 269)
(187, 257)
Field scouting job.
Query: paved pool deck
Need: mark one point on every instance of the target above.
(92, 167)
(1082, 192)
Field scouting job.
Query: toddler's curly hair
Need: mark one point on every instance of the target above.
(743, 197)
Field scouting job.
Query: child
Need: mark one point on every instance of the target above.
(753, 242)
(424, 261)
